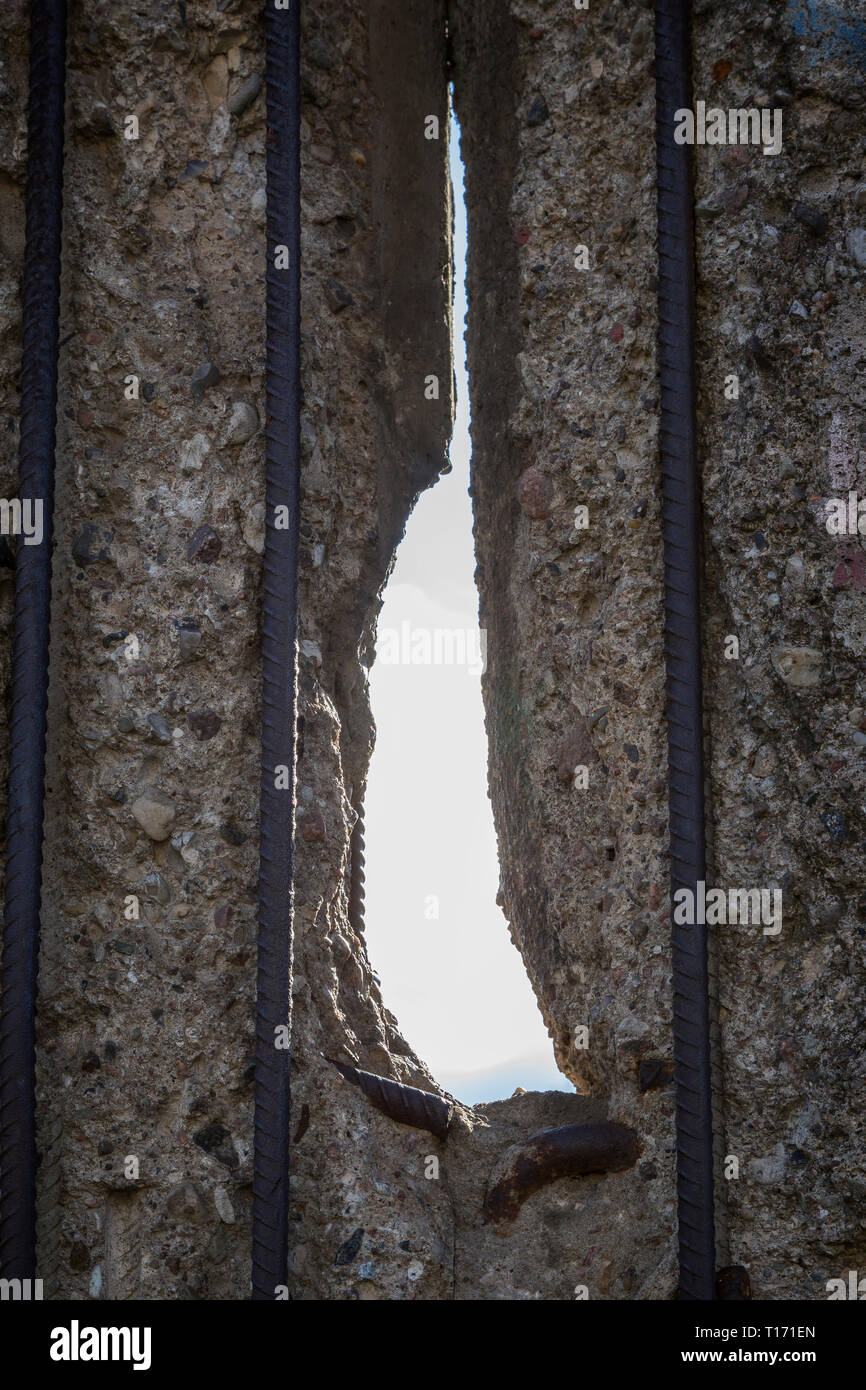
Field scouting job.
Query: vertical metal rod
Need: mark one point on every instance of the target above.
(40, 326)
(357, 877)
(279, 653)
(681, 529)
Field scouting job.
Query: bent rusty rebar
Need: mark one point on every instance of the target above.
(408, 1105)
(681, 532)
(571, 1151)
(279, 656)
(29, 716)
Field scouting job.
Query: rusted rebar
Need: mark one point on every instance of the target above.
(357, 878)
(406, 1104)
(571, 1151)
(733, 1284)
(279, 656)
(29, 711)
(681, 529)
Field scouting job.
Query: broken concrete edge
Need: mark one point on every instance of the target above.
(569, 1151)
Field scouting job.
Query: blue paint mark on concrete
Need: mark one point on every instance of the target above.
(832, 29)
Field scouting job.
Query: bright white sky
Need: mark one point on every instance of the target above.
(457, 985)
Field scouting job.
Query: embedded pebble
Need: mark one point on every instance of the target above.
(245, 95)
(205, 724)
(204, 545)
(538, 112)
(797, 666)
(154, 886)
(193, 452)
(160, 727)
(535, 493)
(205, 376)
(816, 221)
(155, 813)
(189, 641)
(254, 528)
(223, 1205)
(855, 244)
(243, 422)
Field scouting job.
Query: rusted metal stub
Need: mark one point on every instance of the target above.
(30, 646)
(406, 1104)
(571, 1151)
(733, 1284)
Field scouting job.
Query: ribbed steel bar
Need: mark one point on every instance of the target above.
(357, 877)
(681, 529)
(40, 326)
(408, 1105)
(279, 655)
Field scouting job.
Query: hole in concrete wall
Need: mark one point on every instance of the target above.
(435, 935)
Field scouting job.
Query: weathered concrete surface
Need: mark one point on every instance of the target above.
(146, 1022)
(558, 1244)
(557, 111)
(781, 304)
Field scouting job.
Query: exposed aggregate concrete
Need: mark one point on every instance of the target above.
(775, 233)
(146, 1022)
(146, 1014)
(562, 373)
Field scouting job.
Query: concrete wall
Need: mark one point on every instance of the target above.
(558, 109)
(146, 1024)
